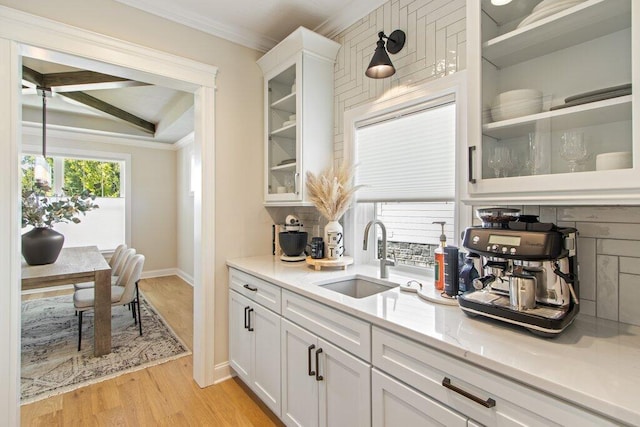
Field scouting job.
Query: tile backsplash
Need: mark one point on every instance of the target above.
(608, 256)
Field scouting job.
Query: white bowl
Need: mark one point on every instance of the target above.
(517, 95)
(511, 110)
(615, 160)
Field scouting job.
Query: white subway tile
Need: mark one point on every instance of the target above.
(627, 214)
(548, 214)
(607, 288)
(618, 247)
(587, 268)
(630, 265)
(630, 299)
(609, 230)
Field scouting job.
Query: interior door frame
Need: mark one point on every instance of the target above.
(23, 34)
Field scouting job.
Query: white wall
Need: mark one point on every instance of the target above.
(185, 213)
(242, 225)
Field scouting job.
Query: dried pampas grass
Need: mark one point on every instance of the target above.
(332, 191)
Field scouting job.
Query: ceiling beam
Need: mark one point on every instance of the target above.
(75, 81)
(100, 105)
(32, 76)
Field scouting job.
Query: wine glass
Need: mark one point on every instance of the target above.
(573, 149)
(498, 160)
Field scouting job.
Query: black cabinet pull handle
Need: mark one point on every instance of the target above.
(246, 286)
(246, 321)
(489, 403)
(249, 315)
(318, 376)
(472, 149)
(311, 347)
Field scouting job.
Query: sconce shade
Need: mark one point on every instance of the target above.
(381, 65)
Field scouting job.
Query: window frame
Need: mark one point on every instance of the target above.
(125, 172)
(403, 98)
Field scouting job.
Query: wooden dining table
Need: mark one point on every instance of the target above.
(76, 265)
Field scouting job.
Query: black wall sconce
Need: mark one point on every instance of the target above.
(380, 65)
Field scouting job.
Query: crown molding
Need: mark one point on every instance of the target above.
(180, 15)
(350, 14)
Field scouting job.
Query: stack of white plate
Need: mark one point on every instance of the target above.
(516, 103)
(547, 8)
(615, 160)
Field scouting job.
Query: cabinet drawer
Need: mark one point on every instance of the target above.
(345, 331)
(499, 401)
(264, 293)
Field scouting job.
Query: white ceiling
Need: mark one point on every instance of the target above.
(258, 24)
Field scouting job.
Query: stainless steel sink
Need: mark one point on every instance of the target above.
(359, 287)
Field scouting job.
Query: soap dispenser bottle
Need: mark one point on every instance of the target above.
(439, 259)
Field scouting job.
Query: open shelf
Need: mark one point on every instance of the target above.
(594, 113)
(286, 167)
(285, 132)
(287, 103)
(572, 26)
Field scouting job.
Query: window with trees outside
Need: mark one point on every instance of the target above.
(104, 227)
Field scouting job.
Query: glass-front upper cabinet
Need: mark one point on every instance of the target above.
(282, 165)
(298, 94)
(552, 116)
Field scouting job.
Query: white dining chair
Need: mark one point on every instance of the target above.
(116, 270)
(84, 299)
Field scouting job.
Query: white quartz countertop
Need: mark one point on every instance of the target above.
(594, 363)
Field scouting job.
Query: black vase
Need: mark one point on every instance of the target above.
(41, 246)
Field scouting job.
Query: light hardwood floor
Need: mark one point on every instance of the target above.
(162, 395)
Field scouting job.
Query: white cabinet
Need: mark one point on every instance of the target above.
(298, 115)
(524, 159)
(254, 348)
(395, 404)
(322, 385)
(469, 390)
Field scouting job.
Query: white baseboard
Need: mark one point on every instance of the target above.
(222, 372)
(49, 289)
(159, 273)
(184, 276)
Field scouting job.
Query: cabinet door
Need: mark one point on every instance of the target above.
(299, 389)
(266, 356)
(395, 404)
(239, 336)
(523, 147)
(345, 388)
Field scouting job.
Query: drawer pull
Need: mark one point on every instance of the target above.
(246, 286)
(489, 403)
(318, 376)
(311, 347)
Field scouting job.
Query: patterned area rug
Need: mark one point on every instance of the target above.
(52, 364)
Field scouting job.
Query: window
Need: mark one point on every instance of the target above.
(105, 226)
(405, 153)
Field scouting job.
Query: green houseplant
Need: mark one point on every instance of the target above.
(42, 244)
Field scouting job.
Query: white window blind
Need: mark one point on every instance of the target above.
(408, 155)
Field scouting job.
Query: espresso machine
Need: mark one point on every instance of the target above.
(528, 272)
